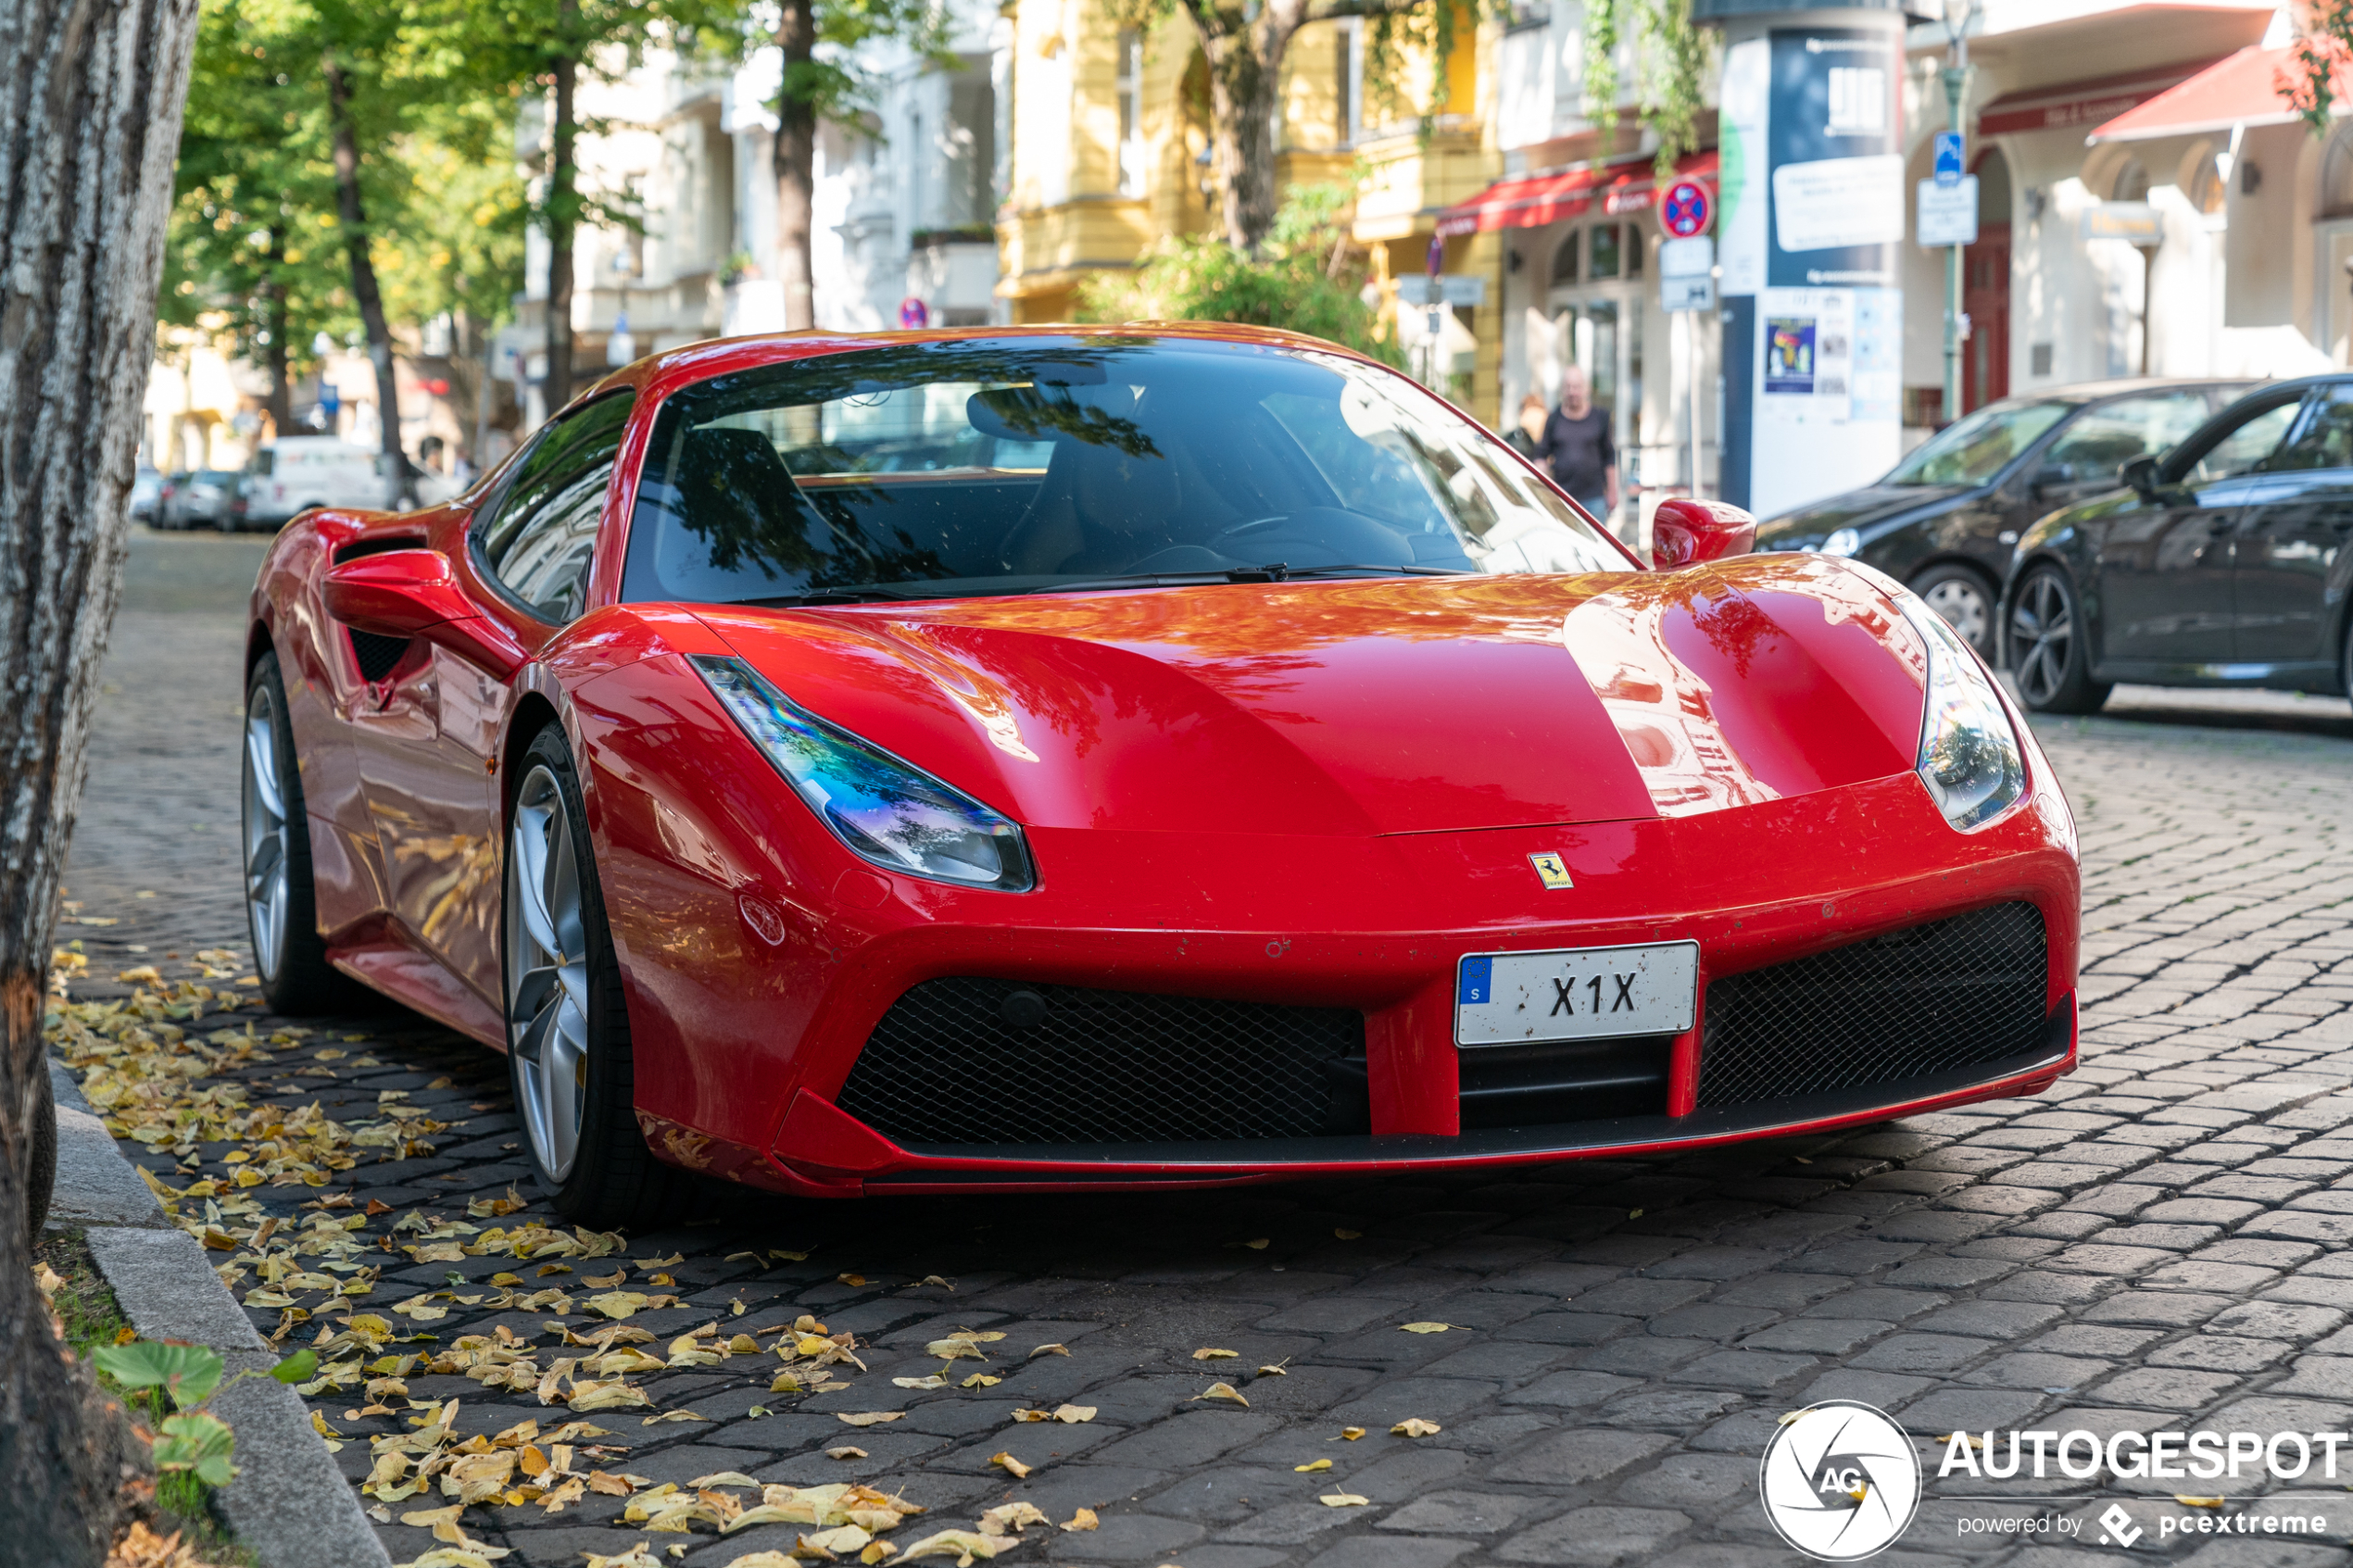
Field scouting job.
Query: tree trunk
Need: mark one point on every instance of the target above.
(91, 93)
(273, 294)
(563, 217)
(795, 165)
(1245, 73)
(354, 213)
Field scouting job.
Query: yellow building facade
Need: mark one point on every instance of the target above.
(1109, 134)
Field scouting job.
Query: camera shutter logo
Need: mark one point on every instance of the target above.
(1840, 1482)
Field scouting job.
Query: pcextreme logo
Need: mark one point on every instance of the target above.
(1840, 1482)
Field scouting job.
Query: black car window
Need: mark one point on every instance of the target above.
(2114, 432)
(1972, 449)
(2323, 437)
(539, 541)
(2238, 444)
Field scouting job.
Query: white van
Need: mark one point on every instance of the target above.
(297, 472)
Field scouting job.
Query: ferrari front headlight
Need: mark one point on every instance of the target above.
(886, 811)
(1969, 755)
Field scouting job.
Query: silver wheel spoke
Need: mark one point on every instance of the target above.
(268, 890)
(546, 973)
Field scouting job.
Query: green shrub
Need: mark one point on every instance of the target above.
(1310, 279)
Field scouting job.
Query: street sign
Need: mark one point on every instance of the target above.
(2136, 222)
(1685, 209)
(1687, 294)
(1948, 213)
(1948, 158)
(914, 314)
(1693, 257)
(1451, 288)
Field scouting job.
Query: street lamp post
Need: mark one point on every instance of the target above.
(1959, 14)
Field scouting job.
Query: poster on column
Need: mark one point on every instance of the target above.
(1825, 393)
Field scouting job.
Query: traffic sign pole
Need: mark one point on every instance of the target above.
(1685, 210)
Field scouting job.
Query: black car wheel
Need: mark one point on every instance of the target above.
(567, 1027)
(1963, 596)
(2049, 653)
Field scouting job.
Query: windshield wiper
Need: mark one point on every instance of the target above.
(850, 593)
(1275, 571)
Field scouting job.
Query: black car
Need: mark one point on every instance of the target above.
(2221, 563)
(1945, 519)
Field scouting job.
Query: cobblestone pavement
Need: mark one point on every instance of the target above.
(2157, 1243)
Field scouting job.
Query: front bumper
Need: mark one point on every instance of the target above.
(741, 1082)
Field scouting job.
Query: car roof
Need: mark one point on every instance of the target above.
(2094, 391)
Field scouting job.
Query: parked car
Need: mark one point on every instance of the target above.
(1015, 760)
(197, 498)
(297, 472)
(2221, 563)
(146, 489)
(1945, 519)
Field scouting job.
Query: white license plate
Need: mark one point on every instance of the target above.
(1575, 993)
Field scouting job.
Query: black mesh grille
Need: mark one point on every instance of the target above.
(377, 653)
(997, 1062)
(1951, 993)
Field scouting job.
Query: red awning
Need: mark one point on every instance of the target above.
(1534, 200)
(2241, 89)
(2072, 104)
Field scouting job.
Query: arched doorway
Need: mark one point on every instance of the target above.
(1985, 287)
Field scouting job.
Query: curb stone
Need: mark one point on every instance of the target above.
(289, 1504)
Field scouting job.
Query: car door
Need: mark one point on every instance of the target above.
(2163, 573)
(2291, 536)
(426, 753)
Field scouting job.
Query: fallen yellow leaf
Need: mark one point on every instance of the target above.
(1011, 1465)
(845, 1451)
(1414, 1427)
(1343, 1499)
(851, 1280)
(2198, 1502)
(1049, 1350)
(1352, 1433)
(1319, 1464)
(1083, 1519)
(1222, 1391)
(868, 1418)
(1349, 1236)
(1259, 1243)
(1428, 1327)
(1208, 1355)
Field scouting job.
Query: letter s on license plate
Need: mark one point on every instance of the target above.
(1575, 993)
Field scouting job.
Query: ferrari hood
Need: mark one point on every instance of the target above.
(1354, 707)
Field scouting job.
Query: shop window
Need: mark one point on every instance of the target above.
(1635, 246)
(1604, 261)
(1565, 260)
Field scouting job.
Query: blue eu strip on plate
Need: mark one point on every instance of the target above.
(1478, 975)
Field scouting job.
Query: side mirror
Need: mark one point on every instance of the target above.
(413, 593)
(2140, 474)
(1684, 533)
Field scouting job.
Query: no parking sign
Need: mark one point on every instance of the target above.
(1685, 210)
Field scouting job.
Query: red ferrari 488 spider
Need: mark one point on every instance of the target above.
(1011, 758)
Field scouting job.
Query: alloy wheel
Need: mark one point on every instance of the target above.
(267, 890)
(2041, 637)
(545, 955)
(1962, 603)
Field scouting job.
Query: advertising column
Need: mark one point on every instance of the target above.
(1813, 214)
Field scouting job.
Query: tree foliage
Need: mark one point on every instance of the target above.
(2323, 49)
(1308, 277)
(1671, 68)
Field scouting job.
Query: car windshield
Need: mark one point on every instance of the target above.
(1017, 465)
(1974, 449)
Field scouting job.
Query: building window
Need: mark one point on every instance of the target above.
(1604, 260)
(1131, 112)
(1348, 80)
(1565, 260)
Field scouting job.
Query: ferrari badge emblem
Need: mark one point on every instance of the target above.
(1550, 870)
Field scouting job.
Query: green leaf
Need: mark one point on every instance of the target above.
(200, 1443)
(296, 1368)
(189, 1373)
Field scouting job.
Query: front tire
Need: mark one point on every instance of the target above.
(282, 912)
(2050, 650)
(1964, 599)
(567, 1028)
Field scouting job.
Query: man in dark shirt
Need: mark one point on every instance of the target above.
(1577, 449)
